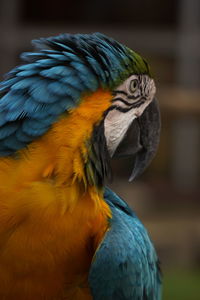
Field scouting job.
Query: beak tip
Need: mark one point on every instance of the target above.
(134, 174)
(131, 179)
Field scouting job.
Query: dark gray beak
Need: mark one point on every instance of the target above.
(142, 139)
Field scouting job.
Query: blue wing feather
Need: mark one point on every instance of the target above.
(27, 73)
(12, 142)
(23, 137)
(24, 84)
(74, 82)
(58, 57)
(2, 118)
(12, 100)
(46, 62)
(125, 265)
(34, 128)
(28, 67)
(7, 130)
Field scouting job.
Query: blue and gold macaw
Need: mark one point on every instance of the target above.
(78, 101)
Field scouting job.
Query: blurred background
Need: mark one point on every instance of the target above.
(167, 33)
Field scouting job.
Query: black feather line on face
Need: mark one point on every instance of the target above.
(124, 110)
(132, 97)
(119, 92)
(98, 158)
(122, 100)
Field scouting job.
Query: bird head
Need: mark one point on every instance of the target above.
(55, 79)
(132, 123)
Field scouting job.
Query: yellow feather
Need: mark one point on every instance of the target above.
(51, 221)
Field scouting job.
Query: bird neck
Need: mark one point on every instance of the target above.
(73, 139)
(65, 154)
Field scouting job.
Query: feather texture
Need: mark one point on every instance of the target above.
(125, 266)
(54, 78)
(55, 105)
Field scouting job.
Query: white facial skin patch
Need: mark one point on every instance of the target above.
(115, 126)
(129, 102)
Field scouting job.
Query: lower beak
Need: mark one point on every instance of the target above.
(142, 139)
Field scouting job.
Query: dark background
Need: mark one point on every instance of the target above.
(167, 34)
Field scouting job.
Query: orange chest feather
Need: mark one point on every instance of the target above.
(51, 221)
(46, 247)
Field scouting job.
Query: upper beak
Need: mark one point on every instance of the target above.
(142, 139)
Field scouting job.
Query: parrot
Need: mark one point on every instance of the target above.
(76, 102)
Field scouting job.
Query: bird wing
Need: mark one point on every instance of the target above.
(125, 265)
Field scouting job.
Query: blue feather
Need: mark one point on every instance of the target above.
(2, 117)
(13, 143)
(8, 129)
(18, 104)
(47, 121)
(46, 62)
(25, 83)
(31, 106)
(3, 89)
(85, 46)
(87, 76)
(64, 47)
(22, 137)
(27, 67)
(5, 100)
(5, 152)
(125, 265)
(12, 100)
(75, 82)
(34, 132)
(72, 57)
(57, 72)
(11, 73)
(34, 127)
(13, 115)
(73, 93)
(57, 88)
(31, 56)
(67, 103)
(40, 92)
(58, 57)
(42, 110)
(27, 73)
(91, 83)
(82, 68)
(33, 123)
(97, 68)
(49, 51)
(9, 82)
(40, 114)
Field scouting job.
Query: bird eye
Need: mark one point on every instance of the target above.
(133, 85)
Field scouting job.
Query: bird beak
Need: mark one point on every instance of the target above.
(142, 139)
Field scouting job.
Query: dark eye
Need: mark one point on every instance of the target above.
(133, 85)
